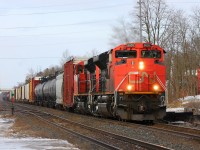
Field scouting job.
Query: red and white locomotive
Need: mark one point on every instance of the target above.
(127, 82)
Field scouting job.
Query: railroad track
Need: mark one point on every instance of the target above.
(185, 132)
(102, 138)
(5, 106)
(182, 131)
(165, 128)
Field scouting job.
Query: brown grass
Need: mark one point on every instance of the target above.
(175, 104)
(193, 104)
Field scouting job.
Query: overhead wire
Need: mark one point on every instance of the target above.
(62, 5)
(49, 44)
(66, 11)
(9, 58)
(181, 2)
(58, 25)
(61, 24)
(49, 34)
(55, 5)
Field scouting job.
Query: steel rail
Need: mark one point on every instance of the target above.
(186, 135)
(97, 142)
(178, 133)
(116, 136)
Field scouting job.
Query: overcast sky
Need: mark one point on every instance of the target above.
(35, 33)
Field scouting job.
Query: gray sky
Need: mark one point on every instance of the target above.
(35, 33)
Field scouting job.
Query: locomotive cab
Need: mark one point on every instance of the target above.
(139, 81)
(139, 67)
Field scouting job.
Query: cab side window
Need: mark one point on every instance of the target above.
(126, 54)
(151, 54)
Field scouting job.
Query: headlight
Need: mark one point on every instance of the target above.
(129, 87)
(155, 87)
(141, 65)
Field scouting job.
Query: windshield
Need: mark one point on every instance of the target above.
(151, 54)
(126, 54)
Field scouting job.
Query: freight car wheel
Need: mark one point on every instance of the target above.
(69, 109)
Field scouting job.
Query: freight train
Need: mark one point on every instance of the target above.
(126, 82)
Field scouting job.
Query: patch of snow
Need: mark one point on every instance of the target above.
(180, 109)
(34, 144)
(29, 143)
(190, 98)
(185, 102)
(178, 122)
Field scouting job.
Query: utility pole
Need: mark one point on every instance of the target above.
(140, 5)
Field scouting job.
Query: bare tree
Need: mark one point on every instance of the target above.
(30, 75)
(195, 33)
(176, 45)
(46, 72)
(123, 32)
(155, 17)
(64, 57)
(91, 53)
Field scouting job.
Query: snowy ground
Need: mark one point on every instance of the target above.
(28, 143)
(188, 99)
(185, 102)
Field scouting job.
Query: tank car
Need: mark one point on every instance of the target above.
(45, 92)
(39, 93)
(127, 82)
(49, 92)
(59, 91)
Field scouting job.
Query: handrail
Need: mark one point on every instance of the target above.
(115, 92)
(160, 82)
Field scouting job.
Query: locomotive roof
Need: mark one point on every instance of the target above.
(76, 59)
